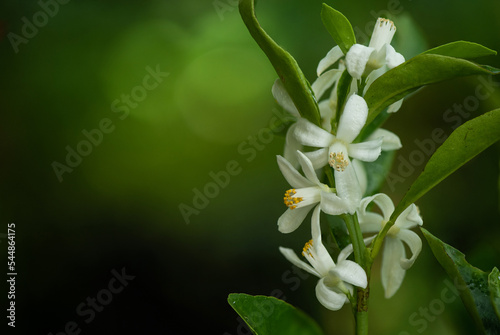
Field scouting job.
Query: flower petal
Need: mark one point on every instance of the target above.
(283, 98)
(367, 151)
(351, 273)
(415, 244)
(393, 58)
(352, 119)
(292, 176)
(295, 260)
(390, 141)
(331, 58)
(374, 76)
(312, 135)
(292, 218)
(334, 205)
(348, 188)
(356, 59)
(318, 158)
(329, 298)
(383, 32)
(327, 112)
(370, 222)
(383, 202)
(322, 261)
(348, 250)
(308, 168)
(361, 174)
(291, 147)
(391, 271)
(409, 218)
(346, 181)
(395, 106)
(324, 82)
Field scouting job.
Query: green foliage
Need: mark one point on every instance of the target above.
(472, 284)
(339, 27)
(494, 287)
(271, 316)
(464, 143)
(421, 70)
(285, 65)
(462, 49)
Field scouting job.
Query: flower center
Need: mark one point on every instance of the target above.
(338, 161)
(290, 200)
(306, 250)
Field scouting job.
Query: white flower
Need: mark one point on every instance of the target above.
(336, 280)
(394, 261)
(320, 85)
(375, 59)
(361, 59)
(306, 193)
(336, 150)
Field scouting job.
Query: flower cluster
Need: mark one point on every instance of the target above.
(334, 148)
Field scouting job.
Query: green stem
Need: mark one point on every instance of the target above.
(362, 257)
(358, 244)
(377, 243)
(362, 323)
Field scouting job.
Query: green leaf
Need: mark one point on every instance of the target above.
(285, 65)
(376, 172)
(471, 284)
(271, 316)
(339, 27)
(462, 49)
(462, 145)
(421, 70)
(494, 287)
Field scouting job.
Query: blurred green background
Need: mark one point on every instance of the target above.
(87, 66)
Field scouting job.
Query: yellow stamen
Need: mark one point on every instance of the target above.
(338, 161)
(306, 250)
(290, 200)
(382, 21)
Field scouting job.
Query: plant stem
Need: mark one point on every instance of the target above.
(361, 323)
(377, 243)
(358, 244)
(362, 257)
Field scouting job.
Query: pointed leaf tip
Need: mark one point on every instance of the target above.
(339, 27)
(285, 65)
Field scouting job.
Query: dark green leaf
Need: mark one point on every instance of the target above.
(285, 65)
(471, 284)
(339, 27)
(464, 143)
(494, 286)
(271, 316)
(462, 49)
(376, 172)
(421, 70)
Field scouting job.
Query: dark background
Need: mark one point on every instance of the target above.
(118, 209)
